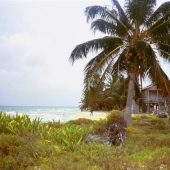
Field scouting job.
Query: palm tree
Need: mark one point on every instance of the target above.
(107, 95)
(92, 93)
(116, 91)
(136, 36)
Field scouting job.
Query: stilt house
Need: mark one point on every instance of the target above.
(154, 100)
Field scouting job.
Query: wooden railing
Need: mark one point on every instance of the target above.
(155, 99)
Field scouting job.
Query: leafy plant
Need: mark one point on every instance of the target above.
(17, 123)
(70, 136)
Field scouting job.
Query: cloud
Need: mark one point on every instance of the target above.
(34, 65)
(36, 39)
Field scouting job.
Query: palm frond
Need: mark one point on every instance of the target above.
(99, 12)
(82, 50)
(159, 13)
(122, 15)
(161, 27)
(115, 65)
(159, 77)
(89, 75)
(101, 65)
(156, 73)
(97, 64)
(164, 50)
(162, 38)
(93, 12)
(108, 71)
(103, 26)
(108, 28)
(120, 64)
(139, 10)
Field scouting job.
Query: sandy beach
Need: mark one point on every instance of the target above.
(96, 115)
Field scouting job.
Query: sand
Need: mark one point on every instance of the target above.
(96, 115)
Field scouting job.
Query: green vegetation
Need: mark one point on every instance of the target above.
(134, 37)
(108, 95)
(32, 144)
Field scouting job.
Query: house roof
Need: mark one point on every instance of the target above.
(148, 87)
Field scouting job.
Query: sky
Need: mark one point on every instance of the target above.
(36, 40)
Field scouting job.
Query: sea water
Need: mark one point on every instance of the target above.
(45, 113)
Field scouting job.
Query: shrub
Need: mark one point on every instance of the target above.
(17, 152)
(81, 121)
(158, 123)
(115, 117)
(99, 127)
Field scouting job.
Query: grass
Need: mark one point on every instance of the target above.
(32, 144)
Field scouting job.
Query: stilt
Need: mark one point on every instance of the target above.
(148, 107)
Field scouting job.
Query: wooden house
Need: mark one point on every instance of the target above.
(154, 100)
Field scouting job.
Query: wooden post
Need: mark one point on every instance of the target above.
(148, 105)
(157, 99)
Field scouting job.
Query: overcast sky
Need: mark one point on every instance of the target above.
(36, 39)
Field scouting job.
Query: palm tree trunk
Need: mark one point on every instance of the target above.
(130, 95)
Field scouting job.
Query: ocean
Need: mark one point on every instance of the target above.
(45, 113)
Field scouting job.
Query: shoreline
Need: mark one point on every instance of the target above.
(47, 116)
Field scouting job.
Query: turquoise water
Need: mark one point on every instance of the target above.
(46, 113)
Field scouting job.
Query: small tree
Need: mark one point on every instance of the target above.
(107, 95)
